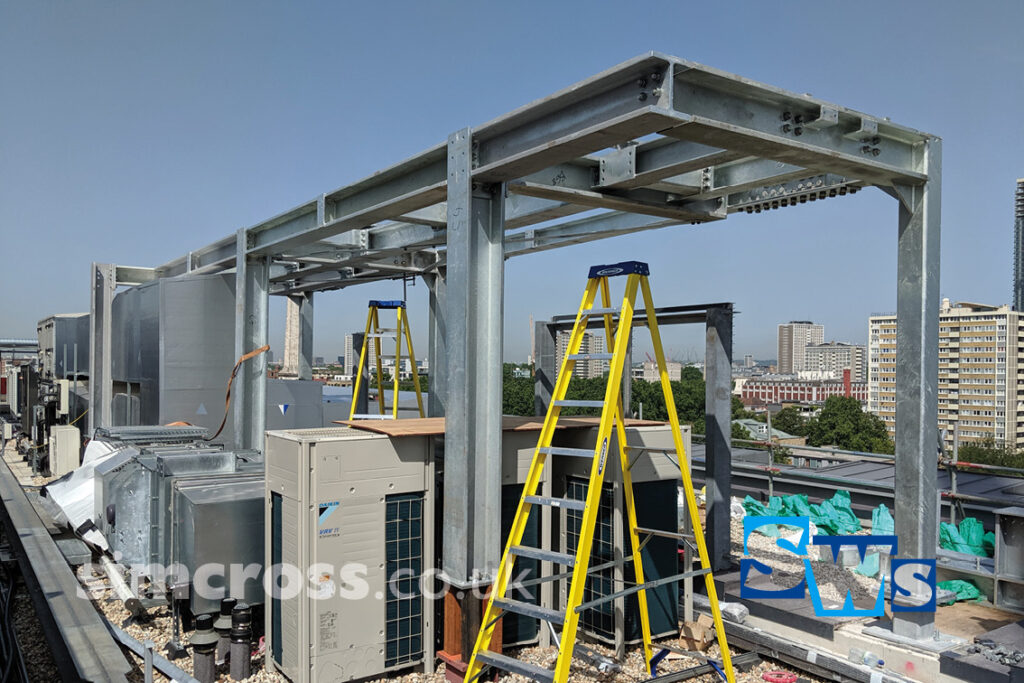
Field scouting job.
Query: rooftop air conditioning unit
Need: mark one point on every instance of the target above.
(356, 509)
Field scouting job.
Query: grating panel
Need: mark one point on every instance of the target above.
(275, 560)
(517, 629)
(403, 538)
(600, 619)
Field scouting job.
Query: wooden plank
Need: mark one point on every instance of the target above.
(430, 426)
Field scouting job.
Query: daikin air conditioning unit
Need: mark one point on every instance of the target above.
(351, 511)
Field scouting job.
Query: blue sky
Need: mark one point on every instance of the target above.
(131, 132)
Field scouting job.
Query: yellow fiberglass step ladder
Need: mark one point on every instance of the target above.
(375, 334)
(611, 417)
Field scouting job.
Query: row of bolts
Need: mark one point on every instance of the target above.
(228, 638)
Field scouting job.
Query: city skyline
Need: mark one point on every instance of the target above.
(213, 107)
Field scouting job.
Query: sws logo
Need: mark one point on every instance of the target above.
(905, 578)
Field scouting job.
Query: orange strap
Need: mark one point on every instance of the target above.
(227, 399)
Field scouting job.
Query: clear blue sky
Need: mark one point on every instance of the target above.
(131, 132)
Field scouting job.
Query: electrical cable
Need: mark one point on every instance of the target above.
(227, 398)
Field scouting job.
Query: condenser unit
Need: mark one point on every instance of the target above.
(65, 446)
(517, 448)
(352, 512)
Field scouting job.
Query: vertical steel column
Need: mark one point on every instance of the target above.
(473, 319)
(545, 366)
(362, 399)
(252, 291)
(717, 430)
(437, 355)
(101, 383)
(917, 363)
(304, 304)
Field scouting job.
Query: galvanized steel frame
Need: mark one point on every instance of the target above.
(671, 140)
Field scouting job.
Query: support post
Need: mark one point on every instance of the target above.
(717, 432)
(545, 366)
(473, 322)
(917, 408)
(304, 304)
(101, 383)
(362, 399)
(252, 283)
(437, 355)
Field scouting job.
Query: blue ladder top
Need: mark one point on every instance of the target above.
(391, 303)
(624, 268)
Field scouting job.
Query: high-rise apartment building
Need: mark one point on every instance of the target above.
(592, 343)
(834, 357)
(352, 356)
(980, 359)
(794, 337)
(673, 368)
(1018, 247)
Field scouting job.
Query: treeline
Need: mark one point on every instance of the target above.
(646, 397)
(841, 422)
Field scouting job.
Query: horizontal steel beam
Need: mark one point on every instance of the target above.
(646, 164)
(723, 110)
(724, 139)
(609, 224)
(637, 201)
(212, 257)
(608, 109)
(133, 275)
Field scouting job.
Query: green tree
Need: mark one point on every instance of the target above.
(740, 412)
(988, 452)
(740, 432)
(844, 424)
(782, 455)
(409, 385)
(649, 395)
(517, 392)
(790, 420)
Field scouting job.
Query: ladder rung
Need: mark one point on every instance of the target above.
(543, 555)
(371, 416)
(591, 356)
(528, 609)
(382, 335)
(515, 666)
(650, 449)
(600, 311)
(572, 403)
(575, 452)
(567, 503)
(387, 329)
(643, 586)
(663, 532)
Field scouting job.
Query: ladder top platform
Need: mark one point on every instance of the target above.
(389, 303)
(623, 268)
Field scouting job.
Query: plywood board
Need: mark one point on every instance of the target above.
(429, 426)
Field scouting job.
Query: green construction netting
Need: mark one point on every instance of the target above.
(970, 538)
(833, 517)
(965, 590)
(882, 524)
